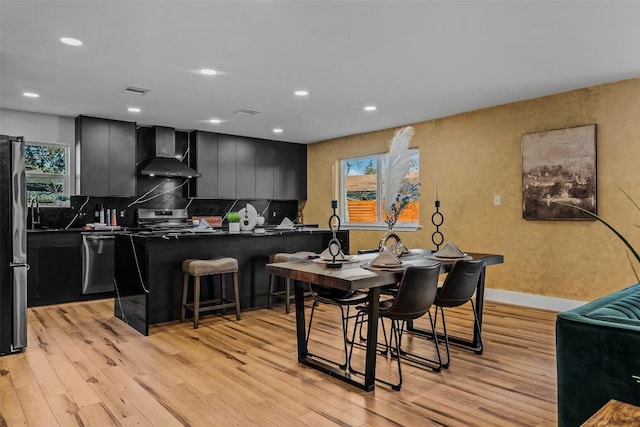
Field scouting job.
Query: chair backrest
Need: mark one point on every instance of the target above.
(460, 284)
(416, 293)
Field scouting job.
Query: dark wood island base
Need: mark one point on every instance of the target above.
(148, 270)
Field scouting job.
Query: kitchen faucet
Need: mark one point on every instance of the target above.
(35, 213)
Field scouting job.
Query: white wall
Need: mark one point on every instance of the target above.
(35, 127)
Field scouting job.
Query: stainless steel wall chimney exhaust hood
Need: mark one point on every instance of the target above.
(165, 163)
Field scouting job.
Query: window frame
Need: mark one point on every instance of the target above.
(380, 168)
(66, 177)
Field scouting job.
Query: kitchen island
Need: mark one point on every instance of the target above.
(148, 267)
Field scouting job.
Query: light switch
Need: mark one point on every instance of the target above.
(497, 200)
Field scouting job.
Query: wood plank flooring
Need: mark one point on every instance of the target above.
(84, 367)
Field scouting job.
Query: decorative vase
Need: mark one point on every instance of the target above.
(234, 227)
(393, 242)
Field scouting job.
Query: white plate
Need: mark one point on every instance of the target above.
(386, 265)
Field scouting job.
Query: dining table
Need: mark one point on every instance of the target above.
(356, 273)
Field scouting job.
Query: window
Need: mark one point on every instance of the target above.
(47, 172)
(361, 191)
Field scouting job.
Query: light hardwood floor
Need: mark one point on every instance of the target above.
(85, 367)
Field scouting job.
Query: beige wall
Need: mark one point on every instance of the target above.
(477, 155)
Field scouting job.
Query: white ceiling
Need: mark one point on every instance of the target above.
(414, 60)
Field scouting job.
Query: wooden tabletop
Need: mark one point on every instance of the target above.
(615, 413)
(352, 276)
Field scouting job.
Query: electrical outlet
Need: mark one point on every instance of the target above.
(497, 200)
(123, 213)
(274, 214)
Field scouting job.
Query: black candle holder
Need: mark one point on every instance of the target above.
(334, 244)
(437, 219)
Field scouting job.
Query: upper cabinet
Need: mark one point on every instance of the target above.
(246, 168)
(235, 167)
(107, 154)
(290, 171)
(203, 157)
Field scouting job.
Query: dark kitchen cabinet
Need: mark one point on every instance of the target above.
(203, 156)
(227, 169)
(245, 168)
(235, 167)
(265, 160)
(290, 172)
(55, 275)
(107, 151)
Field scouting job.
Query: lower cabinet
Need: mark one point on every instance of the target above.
(55, 275)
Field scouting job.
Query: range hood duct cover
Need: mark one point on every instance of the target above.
(165, 163)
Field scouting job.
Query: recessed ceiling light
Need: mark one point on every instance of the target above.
(215, 121)
(370, 108)
(208, 72)
(301, 93)
(31, 94)
(277, 130)
(71, 41)
(133, 109)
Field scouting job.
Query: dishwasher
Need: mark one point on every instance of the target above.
(97, 263)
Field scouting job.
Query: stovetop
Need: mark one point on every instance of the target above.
(163, 219)
(179, 232)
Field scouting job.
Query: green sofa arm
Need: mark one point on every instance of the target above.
(598, 355)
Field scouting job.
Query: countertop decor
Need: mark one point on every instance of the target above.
(233, 218)
(397, 190)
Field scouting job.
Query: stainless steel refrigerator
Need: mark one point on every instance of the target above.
(13, 246)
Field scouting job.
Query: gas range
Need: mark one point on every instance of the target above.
(163, 219)
(168, 223)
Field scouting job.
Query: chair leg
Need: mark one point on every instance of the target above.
(313, 309)
(446, 337)
(287, 301)
(272, 279)
(345, 325)
(398, 337)
(435, 339)
(223, 291)
(236, 294)
(196, 302)
(360, 316)
(185, 289)
(477, 325)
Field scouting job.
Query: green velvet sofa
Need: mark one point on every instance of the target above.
(598, 355)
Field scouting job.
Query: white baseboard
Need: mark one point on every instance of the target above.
(530, 300)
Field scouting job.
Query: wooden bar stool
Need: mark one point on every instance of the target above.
(286, 292)
(210, 267)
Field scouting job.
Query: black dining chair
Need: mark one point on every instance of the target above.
(342, 299)
(416, 294)
(458, 289)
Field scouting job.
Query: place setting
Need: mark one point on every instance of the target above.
(449, 252)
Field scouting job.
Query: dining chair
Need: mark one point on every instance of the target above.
(458, 289)
(342, 299)
(415, 296)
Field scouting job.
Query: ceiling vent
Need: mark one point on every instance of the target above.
(247, 112)
(136, 90)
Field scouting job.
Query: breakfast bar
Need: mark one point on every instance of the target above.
(148, 271)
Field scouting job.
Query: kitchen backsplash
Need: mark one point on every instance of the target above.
(274, 211)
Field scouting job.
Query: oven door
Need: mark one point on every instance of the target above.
(97, 263)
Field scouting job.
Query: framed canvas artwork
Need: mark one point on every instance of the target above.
(559, 166)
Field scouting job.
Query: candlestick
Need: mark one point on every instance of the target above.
(437, 188)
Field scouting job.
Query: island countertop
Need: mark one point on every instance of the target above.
(148, 267)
